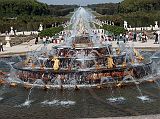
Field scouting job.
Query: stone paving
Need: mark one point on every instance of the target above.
(30, 46)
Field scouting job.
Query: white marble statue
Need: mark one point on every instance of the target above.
(11, 32)
(125, 24)
(7, 39)
(40, 27)
(156, 25)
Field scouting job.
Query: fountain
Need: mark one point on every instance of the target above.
(85, 57)
(109, 79)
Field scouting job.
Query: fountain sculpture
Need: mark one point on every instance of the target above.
(84, 59)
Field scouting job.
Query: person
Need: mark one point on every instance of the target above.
(124, 38)
(140, 36)
(144, 37)
(44, 41)
(49, 40)
(127, 37)
(36, 41)
(130, 36)
(120, 39)
(1, 46)
(156, 38)
(134, 36)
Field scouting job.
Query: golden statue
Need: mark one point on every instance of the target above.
(138, 56)
(56, 63)
(118, 51)
(28, 60)
(110, 62)
(42, 67)
(124, 64)
(94, 76)
(132, 61)
(97, 66)
(33, 66)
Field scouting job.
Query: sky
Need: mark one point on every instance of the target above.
(78, 2)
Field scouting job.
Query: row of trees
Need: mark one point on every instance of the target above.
(29, 23)
(126, 6)
(136, 12)
(14, 8)
(105, 9)
(26, 15)
(139, 5)
(22, 7)
(61, 10)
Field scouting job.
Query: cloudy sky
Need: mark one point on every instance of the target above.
(78, 2)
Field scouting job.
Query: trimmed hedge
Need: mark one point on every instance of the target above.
(51, 31)
(116, 30)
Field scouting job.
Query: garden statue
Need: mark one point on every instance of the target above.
(110, 62)
(56, 63)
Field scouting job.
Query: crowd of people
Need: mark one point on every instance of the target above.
(47, 40)
(129, 36)
(133, 36)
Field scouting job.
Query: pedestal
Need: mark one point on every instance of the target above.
(8, 44)
(7, 39)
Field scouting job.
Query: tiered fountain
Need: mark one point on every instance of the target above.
(84, 59)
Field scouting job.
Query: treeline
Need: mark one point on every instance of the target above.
(27, 15)
(61, 10)
(105, 9)
(22, 7)
(135, 12)
(14, 8)
(139, 5)
(29, 23)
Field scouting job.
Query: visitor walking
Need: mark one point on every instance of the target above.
(120, 38)
(130, 36)
(124, 38)
(134, 36)
(146, 37)
(1, 46)
(50, 39)
(44, 41)
(156, 38)
(36, 41)
(127, 37)
(140, 36)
